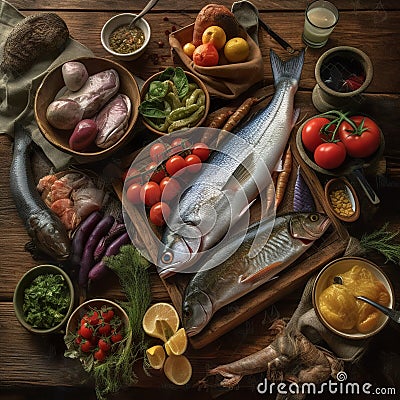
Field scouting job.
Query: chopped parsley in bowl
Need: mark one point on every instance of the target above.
(44, 299)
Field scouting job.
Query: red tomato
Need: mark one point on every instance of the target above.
(86, 330)
(364, 141)
(133, 193)
(175, 164)
(107, 314)
(193, 163)
(157, 173)
(116, 337)
(330, 155)
(206, 55)
(132, 174)
(159, 213)
(170, 188)
(104, 328)
(201, 150)
(93, 317)
(150, 193)
(104, 344)
(312, 134)
(157, 151)
(85, 346)
(99, 355)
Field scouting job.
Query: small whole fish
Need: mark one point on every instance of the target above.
(43, 226)
(233, 176)
(269, 246)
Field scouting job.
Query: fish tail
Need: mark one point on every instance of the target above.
(290, 69)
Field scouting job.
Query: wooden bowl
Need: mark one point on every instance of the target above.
(25, 282)
(343, 184)
(338, 267)
(192, 79)
(51, 85)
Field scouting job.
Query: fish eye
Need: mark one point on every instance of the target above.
(187, 312)
(167, 257)
(314, 217)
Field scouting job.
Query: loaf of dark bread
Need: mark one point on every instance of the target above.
(31, 38)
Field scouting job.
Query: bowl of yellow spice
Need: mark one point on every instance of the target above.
(342, 199)
(125, 42)
(336, 304)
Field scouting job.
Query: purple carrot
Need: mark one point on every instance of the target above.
(87, 260)
(81, 236)
(116, 230)
(100, 269)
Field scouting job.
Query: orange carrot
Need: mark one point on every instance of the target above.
(240, 113)
(217, 118)
(283, 177)
(270, 199)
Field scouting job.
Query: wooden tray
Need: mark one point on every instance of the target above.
(331, 245)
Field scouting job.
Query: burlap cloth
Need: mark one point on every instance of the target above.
(227, 81)
(17, 94)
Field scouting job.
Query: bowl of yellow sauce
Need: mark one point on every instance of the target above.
(336, 305)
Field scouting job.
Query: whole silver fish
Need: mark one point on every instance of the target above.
(279, 242)
(45, 228)
(232, 177)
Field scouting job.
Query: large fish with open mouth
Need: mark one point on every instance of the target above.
(233, 176)
(250, 266)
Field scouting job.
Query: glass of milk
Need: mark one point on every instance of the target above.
(320, 20)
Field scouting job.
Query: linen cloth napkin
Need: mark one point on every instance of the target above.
(17, 94)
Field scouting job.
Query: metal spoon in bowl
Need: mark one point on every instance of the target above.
(392, 314)
(145, 10)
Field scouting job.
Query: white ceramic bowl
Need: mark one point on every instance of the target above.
(338, 267)
(124, 19)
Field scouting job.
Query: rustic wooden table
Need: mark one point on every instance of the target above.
(31, 367)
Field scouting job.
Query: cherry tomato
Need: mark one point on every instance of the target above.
(104, 344)
(206, 55)
(104, 328)
(193, 163)
(201, 150)
(107, 314)
(116, 337)
(170, 188)
(175, 164)
(157, 151)
(85, 345)
(150, 193)
(158, 173)
(93, 317)
(312, 134)
(133, 193)
(159, 213)
(132, 174)
(330, 155)
(179, 144)
(86, 330)
(99, 355)
(364, 141)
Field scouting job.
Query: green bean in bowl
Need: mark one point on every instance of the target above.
(173, 99)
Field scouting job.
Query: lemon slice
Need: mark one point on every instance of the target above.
(156, 356)
(177, 344)
(161, 321)
(178, 369)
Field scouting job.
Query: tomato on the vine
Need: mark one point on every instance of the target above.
(201, 150)
(99, 355)
(150, 193)
(116, 337)
(312, 134)
(104, 328)
(133, 193)
(175, 164)
(170, 188)
(193, 163)
(86, 345)
(157, 151)
(86, 330)
(330, 155)
(107, 314)
(159, 213)
(363, 141)
(157, 173)
(104, 344)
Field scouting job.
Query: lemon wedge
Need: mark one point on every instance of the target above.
(156, 356)
(161, 321)
(177, 344)
(178, 369)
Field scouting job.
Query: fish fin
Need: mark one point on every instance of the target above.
(262, 273)
(290, 69)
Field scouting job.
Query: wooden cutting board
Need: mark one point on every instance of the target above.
(330, 246)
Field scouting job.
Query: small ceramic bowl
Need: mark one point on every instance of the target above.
(192, 79)
(351, 212)
(88, 305)
(338, 267)
(120, 20)
(51, 85)
(25, 282)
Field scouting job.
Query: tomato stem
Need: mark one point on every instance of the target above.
(338, 118)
